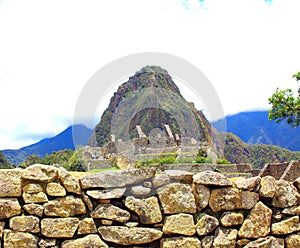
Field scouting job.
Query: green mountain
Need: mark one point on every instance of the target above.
(151, 99)
(237, 151)
(255, 128)
(4, 164)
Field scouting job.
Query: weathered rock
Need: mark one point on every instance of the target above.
(70, 182)
(131, 224)
(25, 224)
(40, 173)
(65, 207)
(32, 188)
(207, 241)
(232, 199)
(176, 198)
(9, 207)
(10, 183)
(123, 235)
(293, 241)
(55, 189)
(248, 183)
(229, 219)
(258, 222)
(34, 209)
(147, 209)
(106, 193)
(268, 242)
(108, 222)
(225, 238)
(160, 180)
(116, 179)
(19, 240)
(287, 226)
(44, 243)
(295, 210)
(286, 195)
(267, 186)
(179, 175)
(147, 184)
(297, 183)
(182, 224)
(89, 241)
(242, 242)
(110, 212)
(211, 178)
(140, 190)
(182, 242)
(59, 227)
(206, 224)
(40, 197)
(87, 226)
(2, 226)
(87, 201)
(201, 194)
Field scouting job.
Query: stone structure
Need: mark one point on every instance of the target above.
(288, 171)
(44, 206)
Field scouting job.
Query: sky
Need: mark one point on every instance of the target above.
(50, 49)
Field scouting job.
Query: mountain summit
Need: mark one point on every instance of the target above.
(150, 99)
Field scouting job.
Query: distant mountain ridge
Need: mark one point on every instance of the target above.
(63, 140)
(255, 128)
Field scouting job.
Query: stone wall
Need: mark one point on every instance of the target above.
(43, 206)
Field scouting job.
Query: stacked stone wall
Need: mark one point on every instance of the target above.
(44, 206)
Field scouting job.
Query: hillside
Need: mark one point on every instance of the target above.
(62, 141)
(4, 164)
(237, 151)
(255, 128)
(151, 99)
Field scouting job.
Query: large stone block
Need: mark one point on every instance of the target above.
(59, 227)
(287, 226)
(258, 222)
(286, 195)
(211, 178)
(147, 209)
(55, 189)
(177, 198)
(232, 199)
(10, 183)
(65, 207)
(182, 224)
(70, 182)
(40, 173)
(25, 224)
(129, 235)
(19, 240)
(9, 207)
(116, 179)
(110, 212)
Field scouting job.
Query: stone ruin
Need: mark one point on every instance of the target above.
(43, 206)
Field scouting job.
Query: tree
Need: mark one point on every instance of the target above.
(285, 106)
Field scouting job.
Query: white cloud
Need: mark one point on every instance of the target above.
(49, 50)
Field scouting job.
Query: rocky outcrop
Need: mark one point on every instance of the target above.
(206, 211)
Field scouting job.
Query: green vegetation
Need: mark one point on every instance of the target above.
(222, 161)
(69, 159)
(4, 164)
(236, 151)
(286, 106)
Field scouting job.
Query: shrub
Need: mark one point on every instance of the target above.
(222, 161)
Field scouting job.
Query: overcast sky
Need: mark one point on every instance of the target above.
(50, 49)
